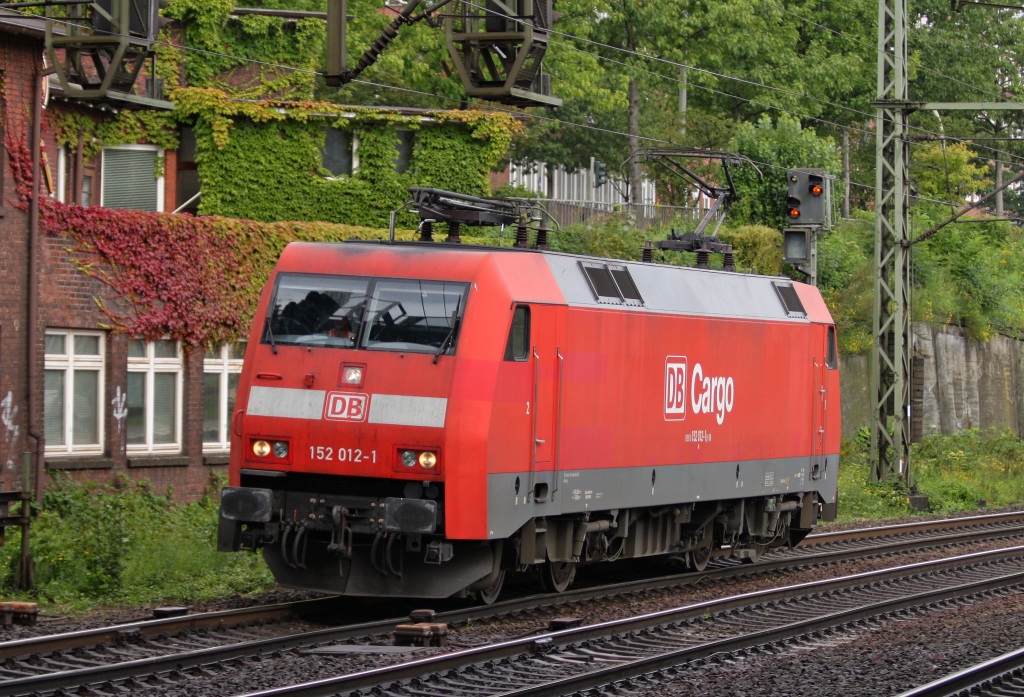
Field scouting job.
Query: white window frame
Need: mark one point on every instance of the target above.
(138, 146)
(223, 365)
(62, 174)
(149, 365)
(69, 362)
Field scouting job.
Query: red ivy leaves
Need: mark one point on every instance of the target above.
(21, 163)
(174, 275)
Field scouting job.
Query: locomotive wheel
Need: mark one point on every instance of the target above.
(489, 595)
(700, 556)
(557, 576)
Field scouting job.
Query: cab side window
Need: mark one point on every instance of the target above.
(832, 358)
(518, 346)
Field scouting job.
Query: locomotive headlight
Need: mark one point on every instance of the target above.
(423, 462)
(280, 449)
(352, 375)
(261, 448)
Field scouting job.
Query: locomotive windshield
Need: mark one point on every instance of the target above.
(387, 314)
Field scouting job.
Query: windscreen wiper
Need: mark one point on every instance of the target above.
(269, 334)
(451, 332)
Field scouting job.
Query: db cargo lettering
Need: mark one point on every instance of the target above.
(711, 395)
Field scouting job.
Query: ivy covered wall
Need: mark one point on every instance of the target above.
(251, 56)
(263, 161)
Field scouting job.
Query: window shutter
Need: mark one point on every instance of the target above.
(129, 180)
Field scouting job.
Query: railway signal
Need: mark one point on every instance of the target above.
(807, 202)
(807, 216)
(600, 174)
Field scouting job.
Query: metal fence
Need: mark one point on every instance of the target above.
(645, 215)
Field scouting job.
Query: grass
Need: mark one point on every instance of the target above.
(965, 472)
(125, 544)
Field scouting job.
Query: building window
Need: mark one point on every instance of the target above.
(338, 155)
(153, 422)
(128, 178)
(403, 150)
(73, 387)
(66, 192)
(86, 190)
(221, 370)
(188, 173)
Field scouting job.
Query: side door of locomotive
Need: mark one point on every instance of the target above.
(547, 358)
(826, 360)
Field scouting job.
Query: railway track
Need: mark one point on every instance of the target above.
(630, 655)
(106, 660)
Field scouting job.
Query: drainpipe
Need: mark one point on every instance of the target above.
(33, 286)
(76, 186)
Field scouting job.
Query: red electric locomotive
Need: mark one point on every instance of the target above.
(419, 419)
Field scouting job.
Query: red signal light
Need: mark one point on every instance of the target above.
(816, 189)
(794, 213)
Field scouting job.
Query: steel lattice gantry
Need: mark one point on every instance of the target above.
(891, 353)
(890, 365)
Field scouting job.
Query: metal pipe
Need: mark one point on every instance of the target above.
(32, 328)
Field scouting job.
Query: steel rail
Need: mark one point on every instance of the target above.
(992, 677)
(823, 537)
(421, 669)
(279, 611)
(167, 625)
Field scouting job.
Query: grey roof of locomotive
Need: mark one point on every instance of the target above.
(678, 289)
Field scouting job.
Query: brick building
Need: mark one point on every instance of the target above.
(77, 399)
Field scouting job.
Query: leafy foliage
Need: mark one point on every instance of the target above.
(957, 473)
(263, 160)
(968, 274)
(126, 543)
(251, 56)
(196, 280)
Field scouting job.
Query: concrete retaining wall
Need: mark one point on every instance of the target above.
(967, 383)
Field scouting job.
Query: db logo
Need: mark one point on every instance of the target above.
(675, 388)
(345, 406)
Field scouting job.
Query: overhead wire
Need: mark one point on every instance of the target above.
(769, 105)
(677, 64)
(644, 56)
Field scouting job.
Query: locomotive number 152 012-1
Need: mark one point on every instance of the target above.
(326, 453)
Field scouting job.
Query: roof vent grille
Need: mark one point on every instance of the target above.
(611, 283)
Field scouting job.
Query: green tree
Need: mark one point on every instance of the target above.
(774, 148)
(975, 54)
